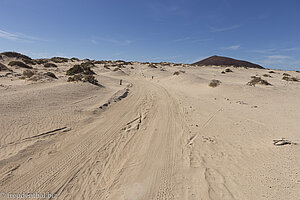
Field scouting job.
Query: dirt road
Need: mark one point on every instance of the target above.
(132, 150)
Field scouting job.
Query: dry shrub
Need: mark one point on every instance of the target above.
(106, 67)
(59, 59)
(50, 74)
(85, 78)
(100, 62)
(50, 65)
(214, 83)
(152, 65)
(41, 61)
(176, 73)
(91, 79)
(29, 61)
(288, 78)
(15, 55)
(82, 68)
(258, 80)
(19, 64)
(267, 75)
(228, 70)
(286, 74)
(271, 72)
(3, 68)
(28, 73)
(74, 59)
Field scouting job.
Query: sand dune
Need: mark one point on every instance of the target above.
(166, 137)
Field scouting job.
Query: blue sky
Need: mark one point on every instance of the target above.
(264, 32)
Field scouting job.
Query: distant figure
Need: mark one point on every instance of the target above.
(121, 82)
(152, 77)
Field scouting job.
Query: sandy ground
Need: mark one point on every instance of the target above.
(171, 137)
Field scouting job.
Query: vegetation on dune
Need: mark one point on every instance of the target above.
(152, 65)
(286, 74)
(84, 78)
(74, 59)
(15, 55)
(83, 68)
(59, 59)
(214, 83)
(19, 64)
(228, 70)
(50, 65)
(50, 74)
(3, 68)
(289, 78)
(29, 61)
(267, 75)
(257, 80)
(178, 72)
(82, 72)
(28, 73)
(41, 61)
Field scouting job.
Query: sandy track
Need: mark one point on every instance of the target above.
(135, 141)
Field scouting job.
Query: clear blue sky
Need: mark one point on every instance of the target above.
(261, 31)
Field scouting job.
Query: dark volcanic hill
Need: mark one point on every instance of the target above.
(225, 61)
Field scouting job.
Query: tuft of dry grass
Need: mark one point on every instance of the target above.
(214, 83)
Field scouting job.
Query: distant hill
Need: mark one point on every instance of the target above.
(225, 61)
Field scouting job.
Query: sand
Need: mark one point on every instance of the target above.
(170, 137)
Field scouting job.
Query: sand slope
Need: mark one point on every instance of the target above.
(170, 137)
